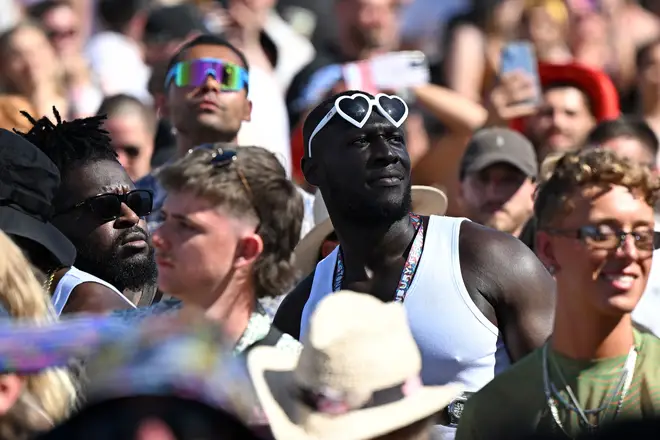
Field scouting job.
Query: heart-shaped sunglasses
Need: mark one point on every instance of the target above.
(356, 109)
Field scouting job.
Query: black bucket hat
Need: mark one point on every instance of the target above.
(28, 183)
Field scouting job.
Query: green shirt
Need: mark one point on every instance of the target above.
(514, 403)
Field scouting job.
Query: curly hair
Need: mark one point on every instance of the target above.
(271, 199)
(52, 392)
(563, 174)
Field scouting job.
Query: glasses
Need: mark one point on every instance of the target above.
(231, 77)
(603, 237)
(357, 108)
(108, 206)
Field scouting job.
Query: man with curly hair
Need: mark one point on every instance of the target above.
(594, 211)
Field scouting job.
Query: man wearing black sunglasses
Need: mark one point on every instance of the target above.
(472, 311)
(98, 209)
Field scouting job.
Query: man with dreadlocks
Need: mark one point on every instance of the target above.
(99, 210)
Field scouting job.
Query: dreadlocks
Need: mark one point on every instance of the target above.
(70, 143)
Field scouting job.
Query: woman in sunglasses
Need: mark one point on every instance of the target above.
(595, 234)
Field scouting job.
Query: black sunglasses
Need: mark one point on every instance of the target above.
(606, 238)
(108, 206)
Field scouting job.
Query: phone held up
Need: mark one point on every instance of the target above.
(519, 56)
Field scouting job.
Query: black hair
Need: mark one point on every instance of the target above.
(70, 143)
(567, 84)
(642, 55)
(625, 127)
(319, 112)
(39, 10)
(117, 14)
(207, 40)
(114, 104)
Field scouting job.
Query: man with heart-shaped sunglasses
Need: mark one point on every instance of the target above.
(477, 299)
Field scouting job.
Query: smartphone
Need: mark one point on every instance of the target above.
(389, 71)
(520, 56)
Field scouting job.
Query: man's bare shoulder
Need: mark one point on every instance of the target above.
(504, 258)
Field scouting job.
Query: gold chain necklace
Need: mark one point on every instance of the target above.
(49, 282)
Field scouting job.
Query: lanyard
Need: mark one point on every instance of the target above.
(408, 269)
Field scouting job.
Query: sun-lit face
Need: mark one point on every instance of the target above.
(596, 271)
(499, 196)
(562, 122)
(198, 248)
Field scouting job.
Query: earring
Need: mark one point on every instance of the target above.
(552, 270)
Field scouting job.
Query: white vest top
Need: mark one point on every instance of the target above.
(458, 343)
(71, 279)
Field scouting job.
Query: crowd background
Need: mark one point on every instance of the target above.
(77, 54)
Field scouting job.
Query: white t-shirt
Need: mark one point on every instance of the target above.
(118, 64)
(269, 127)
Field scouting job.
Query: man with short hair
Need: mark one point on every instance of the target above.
(98, 208)
(205, 107)
(563, 120)
(230, 223)
(595, 233)
(132, 128)
(573, 99)
(627, 136)
(471, 310)
(634, 139)
(207, 102)
(497, 176)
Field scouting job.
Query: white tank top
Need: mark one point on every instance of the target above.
(457, 342)
(71, 279)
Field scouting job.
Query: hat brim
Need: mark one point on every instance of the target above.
(487, 160)
(426, 200)
(15, 222)
(272, 373)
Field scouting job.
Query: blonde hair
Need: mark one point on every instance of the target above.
(48, 396)
(563, 174)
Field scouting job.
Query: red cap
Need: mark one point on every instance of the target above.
(596, 84)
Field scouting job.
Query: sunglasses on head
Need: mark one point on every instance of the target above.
(221, 158)
(107, 206)
(231, 77)
(357, 108)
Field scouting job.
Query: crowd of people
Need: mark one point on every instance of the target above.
(329, 219)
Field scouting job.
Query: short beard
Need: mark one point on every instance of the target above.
(369, 211)
(125, 274)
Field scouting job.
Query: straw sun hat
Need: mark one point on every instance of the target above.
(426, 200)
(356, 378)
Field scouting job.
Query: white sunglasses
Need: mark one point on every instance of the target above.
(357, 108)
